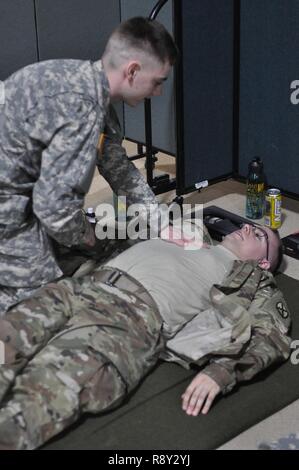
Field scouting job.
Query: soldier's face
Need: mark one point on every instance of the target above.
(252, 243)
(144, 80)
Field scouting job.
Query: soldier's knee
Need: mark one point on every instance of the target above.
(104, 391)
(46, 387)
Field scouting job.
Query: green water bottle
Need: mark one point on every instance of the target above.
(255, 189)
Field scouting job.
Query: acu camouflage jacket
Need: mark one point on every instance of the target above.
(51, 116)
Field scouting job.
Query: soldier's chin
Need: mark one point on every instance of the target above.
(133, 102)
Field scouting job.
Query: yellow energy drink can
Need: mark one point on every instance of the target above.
(273, 208)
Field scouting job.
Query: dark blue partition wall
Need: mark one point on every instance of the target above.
(207, 34)
(17, 36)
(76, 29)
(269, 58)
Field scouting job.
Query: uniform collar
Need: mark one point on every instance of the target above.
(102, 83)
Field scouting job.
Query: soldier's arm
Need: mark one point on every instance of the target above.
(113, 164)
(269, 342)
(123, 176)
(68, 130)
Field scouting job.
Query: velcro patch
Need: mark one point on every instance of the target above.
(282, 310)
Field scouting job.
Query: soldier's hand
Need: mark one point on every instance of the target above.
(185, 238)
(199, 395)
(172, 235)
(89, 238)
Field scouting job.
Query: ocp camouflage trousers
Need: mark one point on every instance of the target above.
(76, 346)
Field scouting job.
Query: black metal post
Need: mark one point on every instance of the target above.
(148, 141)
(148, 114)
(179, 100)
(236, 105)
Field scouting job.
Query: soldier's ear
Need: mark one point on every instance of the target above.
(264, 264)
(132, 68)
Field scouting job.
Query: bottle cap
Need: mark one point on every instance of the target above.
(256, 165)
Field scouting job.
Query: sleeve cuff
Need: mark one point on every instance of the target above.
(222, 377)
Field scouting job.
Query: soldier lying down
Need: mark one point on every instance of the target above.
(81, 344)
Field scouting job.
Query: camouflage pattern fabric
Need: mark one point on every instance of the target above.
(99, 341)
(10, 296)
(250, 301)
(123, 176)
(290, 442)
(52, 116)
(69, 261)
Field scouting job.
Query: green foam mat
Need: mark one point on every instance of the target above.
(152, 417)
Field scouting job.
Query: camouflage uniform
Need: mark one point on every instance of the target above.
(50, 122)
(123, 176)
(99, 341)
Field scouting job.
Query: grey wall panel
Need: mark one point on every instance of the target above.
(76, 29)
(269, 63)
(207, 75)
(17, 35)
(163, 115)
